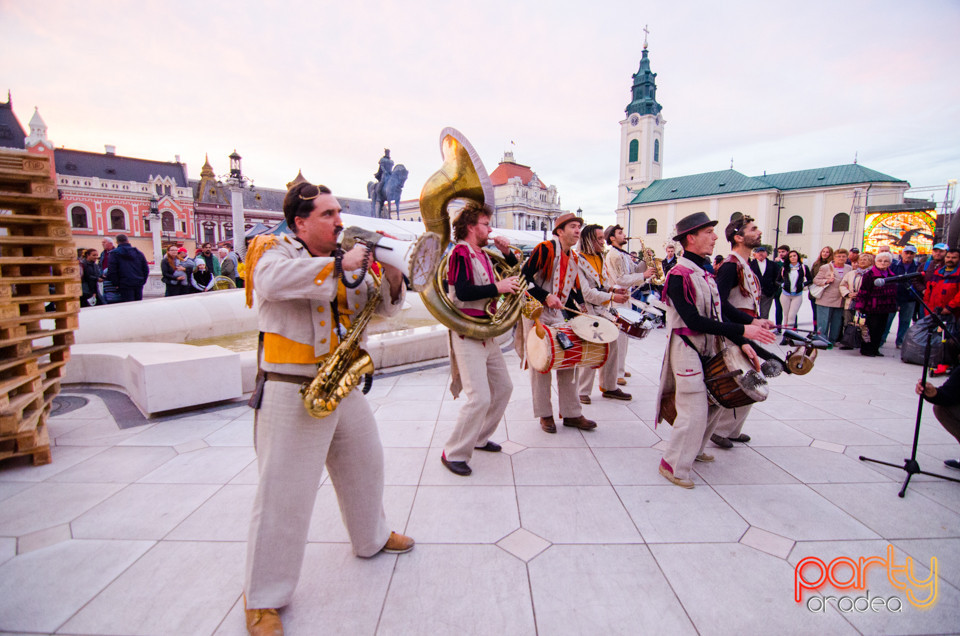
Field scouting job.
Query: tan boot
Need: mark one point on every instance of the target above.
(262, 622)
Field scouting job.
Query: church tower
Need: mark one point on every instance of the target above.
(641, 134)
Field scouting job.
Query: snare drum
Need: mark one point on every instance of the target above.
(632, 323)
(732, 380)
(545, 354)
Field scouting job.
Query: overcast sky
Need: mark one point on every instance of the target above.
(325, 86)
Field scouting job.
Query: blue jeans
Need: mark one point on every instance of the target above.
(906, 310)
(830, 322)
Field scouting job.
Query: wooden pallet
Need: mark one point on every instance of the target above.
(34, 443)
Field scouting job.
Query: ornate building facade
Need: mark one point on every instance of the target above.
(522, 200)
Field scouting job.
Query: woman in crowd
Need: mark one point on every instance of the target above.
(89, 276)
(202, 280)
(876, 303)
(794, 276)
(830, 304)
(174, 275)
(849, 287)
(826, 256)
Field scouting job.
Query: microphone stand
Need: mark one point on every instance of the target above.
(910, 464)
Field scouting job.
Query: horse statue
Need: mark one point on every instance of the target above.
(388, 190)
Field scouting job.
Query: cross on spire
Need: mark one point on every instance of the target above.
(646, 32)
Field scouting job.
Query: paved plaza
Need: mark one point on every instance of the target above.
(139, 526)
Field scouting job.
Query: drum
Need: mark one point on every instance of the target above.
(545, 354)
(732, 380)
(594, 328)
(633, 323)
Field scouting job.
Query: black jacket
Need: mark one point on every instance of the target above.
(804, 279)
(127, 266)
(769, 285)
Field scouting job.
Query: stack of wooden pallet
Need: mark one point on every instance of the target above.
(39, 302)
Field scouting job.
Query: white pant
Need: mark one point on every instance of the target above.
(730, 421)
(487, 386)
(608, 373)
(791, 307)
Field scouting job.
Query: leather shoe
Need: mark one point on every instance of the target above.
(622, 381)
(952, 463)
(397, 544)
(617, 394)
(722, 442)
(457, 468)
(673, 479)
(626, 374)
(705, 458)
(490, 447)
(579, 422)
(584, 399)
(262, 622)
(548, 425)
(743, 438)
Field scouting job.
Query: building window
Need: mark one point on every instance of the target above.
(795, 225)
(78, 217)
(208, 236)
(652, 226)
(167, 222)
(118, 219)
(656, 150)
(634, 150)
(841, 222)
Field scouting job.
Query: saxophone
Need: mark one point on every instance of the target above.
(342, 371)
(656, 264)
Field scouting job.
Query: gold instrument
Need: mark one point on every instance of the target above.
(462, 176)
(655, 264)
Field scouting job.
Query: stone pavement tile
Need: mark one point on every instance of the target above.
(603, 409)
(849, 410)
(800, 390)
(476, 589)
(402, 466)
(178, 587)
(237, 433)
(901, 429)
(94, 409)
(408, 410)
(141, 511)
(644, 407)
(828, 446)
(946, 551)
(900, 407)
(489, 469)
(667, 514)
(795, 411)
(445, 429)
(10, 488)
(740, 465)
(412, 433)
(819, 466)
(42, 589)
(769, 432)
(234, 623)
(119, 465)
(942, 617)
(463, 514)
(942, 452)
(418, 392)
(894, 455)
(734, 589)
(576, 514)
(43, 538)
(57, 426)
(631, 433)
(528, 433)
(100, 433)
(878, 507)
(224, 516)
(511, 448)
(944, 493)
(430, 377)
(523, 544)
(557, 467)
(633, 466)
(768, 542)
(47, 505)
(174, 432)
(381, 386)
(22, 468)
(600, 589)
(794, 512)
(206, 466)
(839, 432)
(8, 549)
(326, 524)
(520, 406)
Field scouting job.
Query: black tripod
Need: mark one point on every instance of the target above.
(910, 465)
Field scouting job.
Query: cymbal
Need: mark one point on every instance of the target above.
(594, 329)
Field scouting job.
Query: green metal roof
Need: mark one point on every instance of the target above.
(731, 181)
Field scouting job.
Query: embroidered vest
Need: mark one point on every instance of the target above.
(480, 272)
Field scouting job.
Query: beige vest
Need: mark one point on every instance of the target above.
(747, 281)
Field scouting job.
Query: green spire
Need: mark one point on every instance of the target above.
(644, 89)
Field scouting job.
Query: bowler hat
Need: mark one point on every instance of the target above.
(563, 219)
(692, 223)
(610, 231)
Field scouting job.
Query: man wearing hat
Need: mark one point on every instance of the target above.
(767, 272)
(906, 303)
(553, 270)
(622, 271)
(693, 317)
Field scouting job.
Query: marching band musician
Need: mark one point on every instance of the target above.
(740, 302)
(553, 270)
(623, 271)
(693, 318)
(301, 303)
(598, 298)
(476, 366)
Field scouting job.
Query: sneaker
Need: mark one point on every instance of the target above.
(722, 442)
(397, 544)
(617, 394)
(673, 479)
(457, 468)
(952, 463)
(703, 457)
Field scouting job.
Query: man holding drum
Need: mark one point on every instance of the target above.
(477, 366)
(553, 270)
(694, 319)
(598, 299)
(739, 291)
(623, 271)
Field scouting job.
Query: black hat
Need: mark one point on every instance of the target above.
(692, 223)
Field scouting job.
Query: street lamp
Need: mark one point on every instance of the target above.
(154, 217)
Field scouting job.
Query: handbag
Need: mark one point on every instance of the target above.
(851, 336)
(816, 291)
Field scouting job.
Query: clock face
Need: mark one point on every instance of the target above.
(634, 120)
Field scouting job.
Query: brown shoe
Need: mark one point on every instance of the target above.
(397, 544)
(622, 381)
(626, 374)
(584, 399)
(548, 425)
(579, 422)
(617, 394)
(262, 622)
(704, 457)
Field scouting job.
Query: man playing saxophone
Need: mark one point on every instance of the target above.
(303, 309)
(476, 365)
(623, 271)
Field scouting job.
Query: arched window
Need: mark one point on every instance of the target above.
(841, 222)
(735, 216)
(78, 217)
(634, 150)
(118, 220)
(656, 150)
(795, 225)
(166, 223)
(652, 226)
